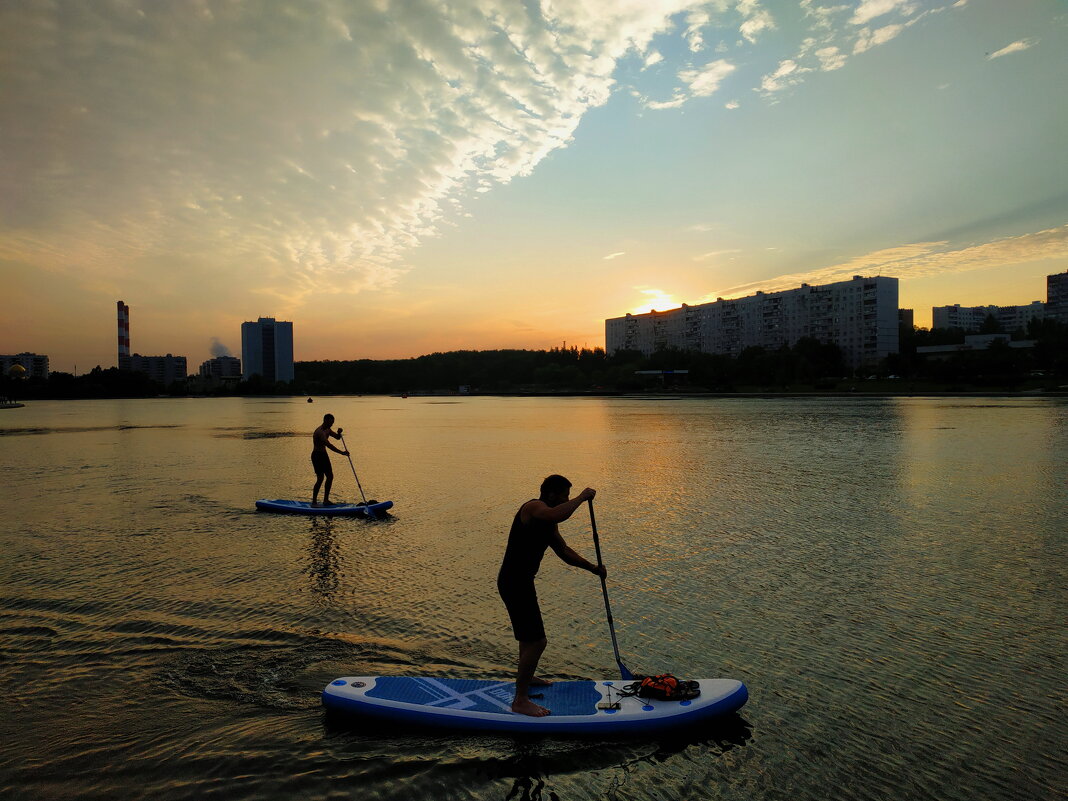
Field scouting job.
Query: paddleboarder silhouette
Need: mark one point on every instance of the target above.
(534, 529)
(321, 460)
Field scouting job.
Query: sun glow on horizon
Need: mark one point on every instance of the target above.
(655, 300)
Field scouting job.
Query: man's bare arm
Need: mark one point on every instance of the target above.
(572, 557)
(539, 510)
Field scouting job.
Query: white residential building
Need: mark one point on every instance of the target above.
(35, 364)
(859, 316)
(971, 318)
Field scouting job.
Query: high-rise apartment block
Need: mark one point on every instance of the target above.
(1057, 297)
(860, 316)
(267, 349)
(972, 318)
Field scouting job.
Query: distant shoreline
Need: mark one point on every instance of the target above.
(663, 395)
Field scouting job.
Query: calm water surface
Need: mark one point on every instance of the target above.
(886, 575)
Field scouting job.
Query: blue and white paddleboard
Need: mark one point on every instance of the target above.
(486, 705)
(305, 508)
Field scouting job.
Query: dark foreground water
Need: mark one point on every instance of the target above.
(886, 575)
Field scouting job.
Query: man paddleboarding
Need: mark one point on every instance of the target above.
(321, 460)
(533, 530)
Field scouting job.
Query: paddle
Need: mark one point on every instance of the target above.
(626, 674)
(346, 447)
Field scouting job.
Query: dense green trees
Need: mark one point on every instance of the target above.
(97, 383)
(575, 370)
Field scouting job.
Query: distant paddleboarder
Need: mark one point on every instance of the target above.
(533, 530)
(321, 460)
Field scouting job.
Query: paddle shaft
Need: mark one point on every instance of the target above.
(626, 674)
(346, 447)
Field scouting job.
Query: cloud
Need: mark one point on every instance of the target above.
(611, 256)
(920, 260)
(830, 58)
(698, 83)
(823, 17)
(869, 39)
(678, 99)
(785, 75)
(705, 81)
(732, 104)
(871, 9)
(757, 20)
(311, 147)
(695, 21)
(294, 149)
(713, 253)
(1015, 47)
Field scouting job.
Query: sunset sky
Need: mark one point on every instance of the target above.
(398, 178)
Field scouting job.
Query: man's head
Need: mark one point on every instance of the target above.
(555, 489)
(328, 419)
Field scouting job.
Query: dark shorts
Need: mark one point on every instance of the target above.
(522, 603)
(321, 463)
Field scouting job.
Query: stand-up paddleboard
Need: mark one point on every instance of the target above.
(305, 508)
(577, 707)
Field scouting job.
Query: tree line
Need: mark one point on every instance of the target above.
(807, 365)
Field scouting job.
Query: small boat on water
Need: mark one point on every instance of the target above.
(10, 404)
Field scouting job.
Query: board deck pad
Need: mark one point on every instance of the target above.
(483, 704)
(305, 507)
(564, 698)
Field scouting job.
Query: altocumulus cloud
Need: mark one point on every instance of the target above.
(318, 141)
(309, 145)
(920, 259)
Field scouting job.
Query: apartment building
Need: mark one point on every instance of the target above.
(971, 318)
(1057, 297)
(35, 364)
(859, 315)
(267, 349)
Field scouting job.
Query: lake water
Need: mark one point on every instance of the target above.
(887, 576)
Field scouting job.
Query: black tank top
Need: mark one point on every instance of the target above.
(526, 547)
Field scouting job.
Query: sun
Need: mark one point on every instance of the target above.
(655, 300)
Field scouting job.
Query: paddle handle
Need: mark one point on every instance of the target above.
(626, 674)
(346, 447)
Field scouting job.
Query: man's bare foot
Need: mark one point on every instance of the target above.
(538, 681)
(528, 707)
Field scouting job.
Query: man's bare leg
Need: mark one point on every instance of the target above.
(529, 654)
(315, 490)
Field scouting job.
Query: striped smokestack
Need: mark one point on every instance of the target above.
(124, 330)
